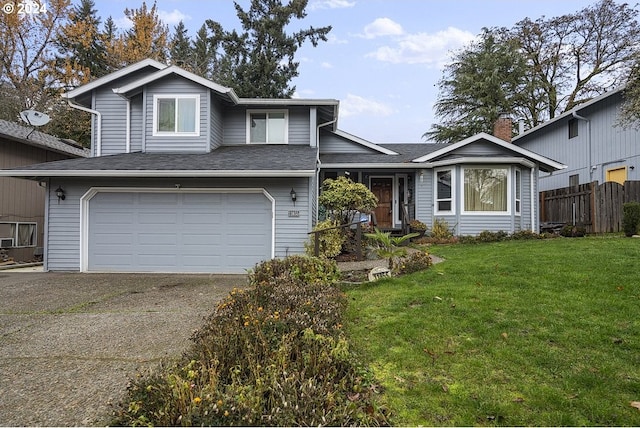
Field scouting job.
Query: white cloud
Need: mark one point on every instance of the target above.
(423, 48)
(326, 65)
(331, 4)
(173, 18)
(355, 105)
(382, 27)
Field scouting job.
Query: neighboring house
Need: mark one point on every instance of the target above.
(22, 201)
(185, 176)
(589, 140)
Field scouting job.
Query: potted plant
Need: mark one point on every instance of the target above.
(416, 226)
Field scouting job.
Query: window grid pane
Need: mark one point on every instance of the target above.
(166, 115)
(186, 115)
(258, 131)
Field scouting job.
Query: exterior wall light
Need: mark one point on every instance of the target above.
(293, 196)
(60, 194)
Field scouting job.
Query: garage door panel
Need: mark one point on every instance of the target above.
(178, 232)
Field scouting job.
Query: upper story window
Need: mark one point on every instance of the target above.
(176, 115)
(573, 128)
(267, 127)
(486, 190)
(444, 185)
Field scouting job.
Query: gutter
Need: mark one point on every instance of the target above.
(36, 174)
(318, 162)
(99, 125)
(591, 167)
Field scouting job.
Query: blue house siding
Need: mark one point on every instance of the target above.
(611, 144)
(63, 246)
(137, 128)
(217, 126)
(113, 109)
(331, 143)
(176, 144)
(235, 125)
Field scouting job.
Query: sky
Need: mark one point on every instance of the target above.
(383, 59)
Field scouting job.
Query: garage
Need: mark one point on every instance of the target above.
(218, 231)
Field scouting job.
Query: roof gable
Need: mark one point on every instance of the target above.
(483, 138)
(134, 86)
(363, 143)
(113, 76)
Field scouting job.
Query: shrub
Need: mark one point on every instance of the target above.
(331, 240)
(273, 354)
(488, 236)
(414, 262)
(440, 229)
(631, 218)
(417, 225)
(571, 231)
(389, 247)
(298, 269)
(525, 234)
(341, 197)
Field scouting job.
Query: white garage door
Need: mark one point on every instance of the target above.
(178, 232)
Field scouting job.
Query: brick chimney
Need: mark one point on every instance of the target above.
(502, 127)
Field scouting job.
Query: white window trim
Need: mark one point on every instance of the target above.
(15, 237)
(436, 211)
(267, 111)
(509, 191)
(515, 191)
(176, 97)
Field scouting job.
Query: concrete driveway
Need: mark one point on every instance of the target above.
(70, 342)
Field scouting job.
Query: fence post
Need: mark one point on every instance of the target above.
(359, 241)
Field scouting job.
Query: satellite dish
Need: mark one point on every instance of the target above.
(34, 118)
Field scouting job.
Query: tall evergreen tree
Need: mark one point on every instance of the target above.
(180, 51)
(260, 61)
(81, 49)
(483, 80)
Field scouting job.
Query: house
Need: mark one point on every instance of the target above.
(185, 176)
(590, 141)
(22, 201)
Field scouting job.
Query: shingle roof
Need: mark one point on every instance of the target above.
(27, 135)
(406, 153)
(237, 159)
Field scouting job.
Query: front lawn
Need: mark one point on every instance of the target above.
(510, 333)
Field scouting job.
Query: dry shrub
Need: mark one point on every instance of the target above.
(273, 354)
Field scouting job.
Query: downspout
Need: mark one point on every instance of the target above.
(318, 163)
(591, 168)
(534, 201)
(99, 125)
(127, 137)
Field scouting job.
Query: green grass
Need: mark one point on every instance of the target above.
(511, 333)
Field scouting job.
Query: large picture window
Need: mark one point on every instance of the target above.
(444, 188)
(486, 190)
(518, 191)
(176, 115)
(267, 127)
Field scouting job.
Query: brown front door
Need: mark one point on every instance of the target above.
(382, 187)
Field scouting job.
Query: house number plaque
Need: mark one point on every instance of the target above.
(294, 213)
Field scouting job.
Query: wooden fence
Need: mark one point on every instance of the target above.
(596, 207)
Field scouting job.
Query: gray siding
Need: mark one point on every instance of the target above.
(331, 143)
(183, 144)
(611, 145)
(235, 125)
(137, 127)
(470, 224)
(63, 247)
(113, 109)
(62, 251)
(216, 121)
